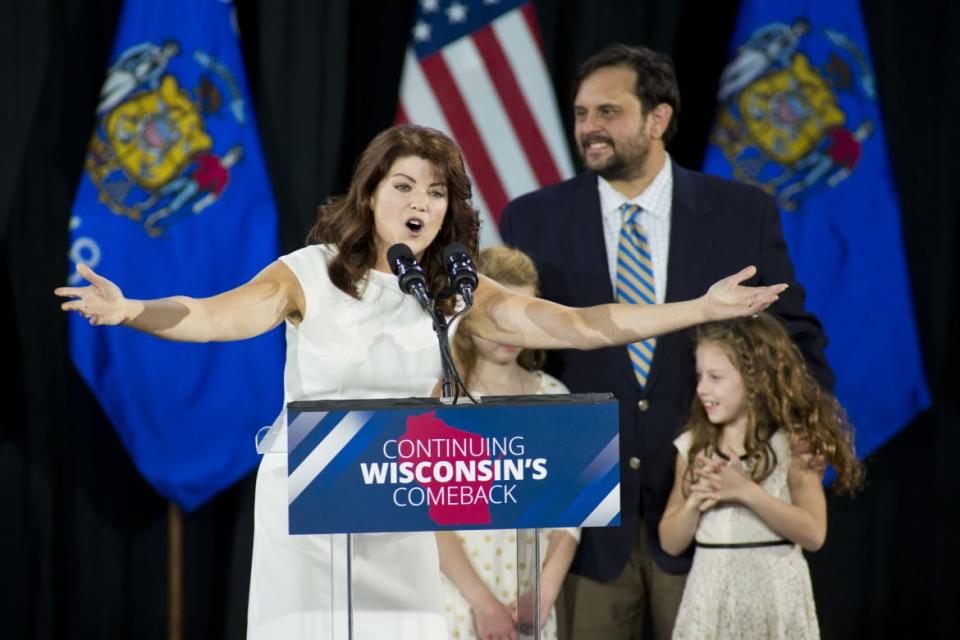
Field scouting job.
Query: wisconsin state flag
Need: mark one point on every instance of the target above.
(798, 116)
(174, 199)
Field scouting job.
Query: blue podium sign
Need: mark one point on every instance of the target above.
(419, 465)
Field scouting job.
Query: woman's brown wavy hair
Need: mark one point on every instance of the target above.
(347, 221)
(780, 393)
(510, 267)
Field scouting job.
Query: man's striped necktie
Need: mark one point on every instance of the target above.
(635, 283)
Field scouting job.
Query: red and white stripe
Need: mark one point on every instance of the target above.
(490, 92)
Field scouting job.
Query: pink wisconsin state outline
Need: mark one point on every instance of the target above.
(427, 427)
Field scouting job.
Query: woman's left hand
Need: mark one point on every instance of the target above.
(728, 298)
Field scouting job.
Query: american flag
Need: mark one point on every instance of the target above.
(474, 70)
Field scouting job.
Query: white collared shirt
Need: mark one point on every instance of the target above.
(656, 203)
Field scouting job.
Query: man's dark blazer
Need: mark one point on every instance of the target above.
(717, 228)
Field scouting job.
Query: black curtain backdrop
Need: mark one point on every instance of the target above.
(83, 539)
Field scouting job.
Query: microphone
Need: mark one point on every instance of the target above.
(463, 275)
(410, 275)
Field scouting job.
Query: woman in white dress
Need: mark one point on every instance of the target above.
(487, 589)
(351, 333)
(743, 491)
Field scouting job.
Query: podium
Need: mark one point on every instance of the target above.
(419, 465)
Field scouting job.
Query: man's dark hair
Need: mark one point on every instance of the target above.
(656, 80)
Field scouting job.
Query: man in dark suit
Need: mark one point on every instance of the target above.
(696, 229)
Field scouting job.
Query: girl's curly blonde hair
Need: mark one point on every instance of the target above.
(780, 393)
(507, 266)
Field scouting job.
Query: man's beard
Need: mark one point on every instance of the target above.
(618, 166)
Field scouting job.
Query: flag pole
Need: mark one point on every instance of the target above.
(174, 572)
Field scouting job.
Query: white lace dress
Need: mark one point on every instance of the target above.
(380, 346)
(746, 592)
(493, 555)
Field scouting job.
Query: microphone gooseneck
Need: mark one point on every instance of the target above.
(413, 281)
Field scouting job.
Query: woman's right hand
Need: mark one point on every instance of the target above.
(728, 298)
(101, 302)
(495, 621)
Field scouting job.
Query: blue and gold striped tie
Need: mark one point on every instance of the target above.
(635, 283)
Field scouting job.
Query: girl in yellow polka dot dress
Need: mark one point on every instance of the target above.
(482, 596)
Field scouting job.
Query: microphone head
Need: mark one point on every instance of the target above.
(460, 266)
(410, 275)
(455, 250)
(399, 256)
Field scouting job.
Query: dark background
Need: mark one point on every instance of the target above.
(83, 539)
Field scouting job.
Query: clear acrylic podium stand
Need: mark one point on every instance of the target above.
(555, 457)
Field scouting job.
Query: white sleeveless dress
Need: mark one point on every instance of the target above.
(380, 346)
(754, 592)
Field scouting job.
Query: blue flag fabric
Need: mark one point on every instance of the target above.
(174, 198)
(798, 116)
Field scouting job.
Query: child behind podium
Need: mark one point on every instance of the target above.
(480, 576)
(747, 489)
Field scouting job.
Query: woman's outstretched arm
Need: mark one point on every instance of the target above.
(271, 297)
(503, 316)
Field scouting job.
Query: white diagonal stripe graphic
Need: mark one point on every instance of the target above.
(326, 451)
(605, 511)
(603, 462)
(302, 425)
